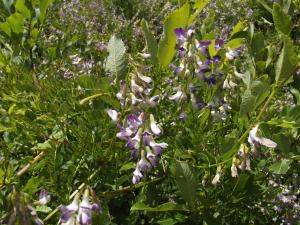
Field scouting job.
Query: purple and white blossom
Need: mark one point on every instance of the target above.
(68, 213)
(44, 197)
(256, 141)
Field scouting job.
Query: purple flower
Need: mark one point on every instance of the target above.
(178, 96)
(85, 212)
(152, 102)
(147, 137)
(124, 134)
(113, 114)
(144, 165)
(68, 212)
(133, 122)
(137, 176)
(35, 218)
(233, 54)
(44, 197)
(181, 52)
(183, 116)
(219, 44)
(158, 147)
(180, 35)
(153, 159)
(216, 59)
(211, 79)
(203, 46)
(177, 69)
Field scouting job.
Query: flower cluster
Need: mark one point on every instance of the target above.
(199, 64)
(139, 128)
(241, 162)
(21, 211)
(79, 213)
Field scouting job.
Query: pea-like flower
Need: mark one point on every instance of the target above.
(256, 141)
(68, 213)
(44, 197)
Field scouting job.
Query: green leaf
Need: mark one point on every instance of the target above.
(286, 62)
(44, 5)
(186, 182)
(257, 44)
(265, 5)
(116, 62)
(166, 46)
(282, 21)
(43, 209)
(238, 28)
(296, 94)
(21, 8)
(169, 206)
(248, 103)
(5, 27)
(281, 167)
(235, 43)
(127, 166)
(198, 6)
(151, 42)
(7, 4)
(16, 22)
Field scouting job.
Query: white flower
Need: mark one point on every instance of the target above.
(146, 79)
(178, 96)
(257, 141)
(113, 114)
(216, 179)
(234, 171)
(154, 128)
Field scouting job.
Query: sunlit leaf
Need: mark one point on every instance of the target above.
(166, 46)
(116, 62)
(281, 167)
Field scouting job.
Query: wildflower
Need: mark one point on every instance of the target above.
(158, 147)
(44, 197)
(146, 55)
(152, 102)
(145, 79)
(183, 116)
(144, 165)
(256, 141)
(233, 54)
(68, 213)
(244, 157)
(84, 216)
(234, 171)
(124, 134)
(217, 177)
(134, 143)
(219, 44)
(203, 46)
(137, 176)
(178, 96)
(181, 35)
(181, 52)
(113, 114)
(34, 216)
(177, 69)
(154, 128)
(153, 159)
